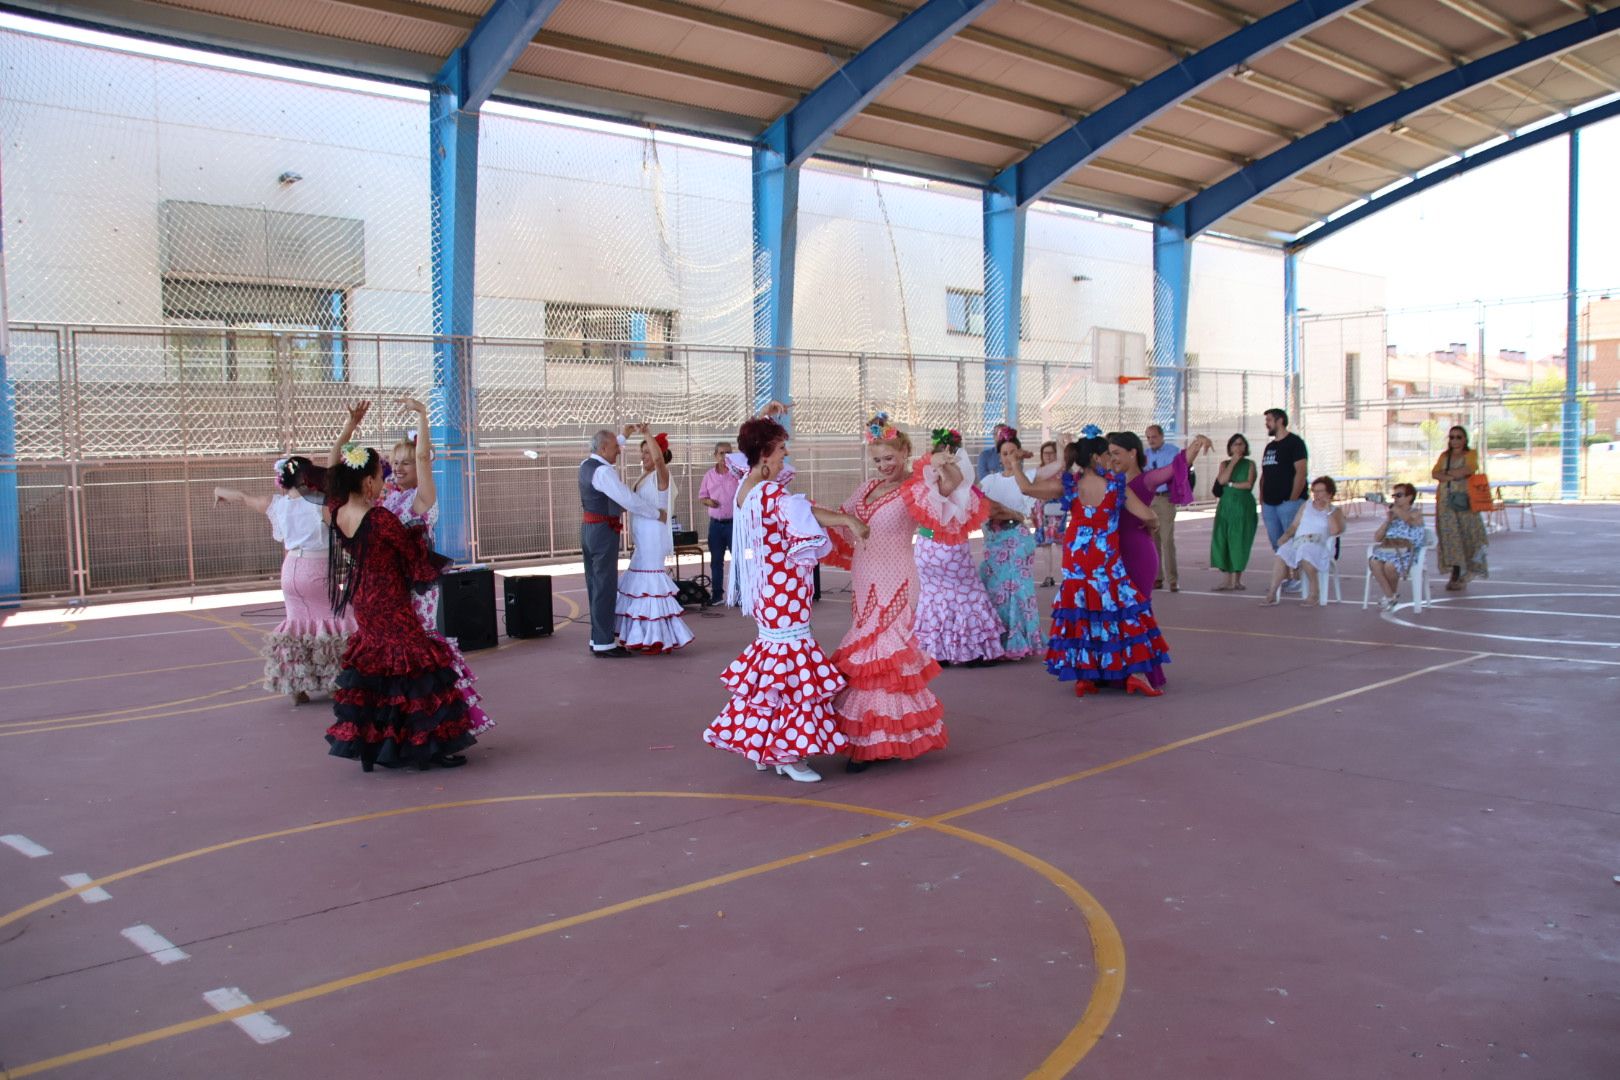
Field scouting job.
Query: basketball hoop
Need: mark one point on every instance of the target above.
(1118, 357)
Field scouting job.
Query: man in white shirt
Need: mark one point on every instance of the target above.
(1160, 454)
(603, 499)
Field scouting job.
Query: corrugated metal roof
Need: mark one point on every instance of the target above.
(1018, 75)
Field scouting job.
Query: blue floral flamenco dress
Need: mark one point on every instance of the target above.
(1103, 628)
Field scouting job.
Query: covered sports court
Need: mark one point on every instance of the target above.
(1347, 843)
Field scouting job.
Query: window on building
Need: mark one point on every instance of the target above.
(236, 332)
(597, 333)
(1352, 386)
(964, 314)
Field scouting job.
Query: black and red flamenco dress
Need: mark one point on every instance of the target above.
(396, 700)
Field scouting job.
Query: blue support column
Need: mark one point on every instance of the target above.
(1291, 330)
(1572, 436)
(1003, 305)
(340, 343)
(453, 160)
(776, 243)
(10, 509)
(1172, 283)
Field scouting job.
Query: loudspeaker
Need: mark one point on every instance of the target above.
(467, 608)
(528, 606)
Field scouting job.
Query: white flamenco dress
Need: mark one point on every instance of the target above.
(647, 614)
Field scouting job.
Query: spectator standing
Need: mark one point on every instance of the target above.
(1284, 467)
(1159, 454)
(718, 492)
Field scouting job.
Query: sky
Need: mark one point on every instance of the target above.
(1495, 233)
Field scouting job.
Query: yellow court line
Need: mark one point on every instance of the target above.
(231, 628)
(129, 711)
(127, 674)
(1107, 946)
(1120, 763)
(65, 628)
(153, 716)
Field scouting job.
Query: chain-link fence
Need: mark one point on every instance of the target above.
(1379, 390)
(121, 437)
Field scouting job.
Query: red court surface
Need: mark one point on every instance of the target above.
(1343, 845)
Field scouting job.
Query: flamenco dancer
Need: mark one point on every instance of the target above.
(956, 623)
(301, 654)
(396, 702)
(1008, 569)
(887, 712)
(647, 615)
(1102, 628)
(1127, 457)
(782, 685)
(411, 495)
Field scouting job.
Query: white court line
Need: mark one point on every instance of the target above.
(258, 1026)
(1533, 611)
(154, 944)
(1390, 617)
(117, 637)
(89, 896)
(25, 845)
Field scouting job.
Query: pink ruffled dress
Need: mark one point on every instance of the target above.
(888, 710)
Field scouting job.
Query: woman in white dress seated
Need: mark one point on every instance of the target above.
(1308, 544)
(647, 614)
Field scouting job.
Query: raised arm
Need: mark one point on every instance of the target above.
(427, 493)
(357, 413)
(1044, 489)
(606, 480)
(950, 475)
(261, 503)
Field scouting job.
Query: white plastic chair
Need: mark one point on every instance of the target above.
(1417, 577)
(1330, 580)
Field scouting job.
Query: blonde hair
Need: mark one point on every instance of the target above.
(409, 444)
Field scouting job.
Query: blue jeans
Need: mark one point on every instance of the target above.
(719, 544)
(1278, 518)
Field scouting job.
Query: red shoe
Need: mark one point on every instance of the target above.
(1138, 685)
(1082, 687)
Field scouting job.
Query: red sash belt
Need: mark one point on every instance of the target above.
(615, 523)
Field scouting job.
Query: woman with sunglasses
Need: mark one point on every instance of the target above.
(1459, 526)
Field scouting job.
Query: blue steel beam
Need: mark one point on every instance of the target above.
(1569, 440)
(1172, 283)
(1291, 339)
(1215, 202)
(1473, 161)
(465, 82)
(1040, 171)
(493, 46)
(1003, 305)
(791, 140)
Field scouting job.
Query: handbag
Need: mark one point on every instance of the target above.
(1216, 488)
(1479, 494)
(1459, 501)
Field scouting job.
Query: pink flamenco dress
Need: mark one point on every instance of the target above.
(399, 503)
(1103, 629)
(888, 712)
(956, 622)
(782, 685)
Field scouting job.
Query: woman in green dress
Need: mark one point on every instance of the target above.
(1235, 516)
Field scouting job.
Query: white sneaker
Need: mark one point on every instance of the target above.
(761, 766)
(798, 770)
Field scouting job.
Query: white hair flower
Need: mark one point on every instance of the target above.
(355, 456)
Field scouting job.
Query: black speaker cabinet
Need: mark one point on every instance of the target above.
(467, 608)
(528, 606)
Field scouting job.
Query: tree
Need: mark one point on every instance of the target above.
(1541, 404)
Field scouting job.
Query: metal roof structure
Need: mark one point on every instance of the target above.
(1261, 118)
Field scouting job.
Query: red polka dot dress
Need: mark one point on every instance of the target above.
(782, 685)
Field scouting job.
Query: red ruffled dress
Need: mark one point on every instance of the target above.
(396, 702)
(782, 685)
(888, 710)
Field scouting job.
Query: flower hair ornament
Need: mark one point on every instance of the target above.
(880, 430)
(355, 456)
(281, 463)
(662, 439)
(1091, 431)
(947, 439)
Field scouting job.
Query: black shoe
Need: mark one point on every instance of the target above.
(447, 761)
(853, 766)
(616, 651)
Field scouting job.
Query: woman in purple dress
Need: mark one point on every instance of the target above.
(1127, 457)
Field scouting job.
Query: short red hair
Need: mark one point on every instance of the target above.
(758, 437)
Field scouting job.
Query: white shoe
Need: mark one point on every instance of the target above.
(798, 770)
(761, 766)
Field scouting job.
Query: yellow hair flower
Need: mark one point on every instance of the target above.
(355, 456)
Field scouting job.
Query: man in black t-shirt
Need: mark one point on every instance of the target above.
(1284, 476)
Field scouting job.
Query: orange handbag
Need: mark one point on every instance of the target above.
(1479, 494)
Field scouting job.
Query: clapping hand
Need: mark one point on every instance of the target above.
(411, 405)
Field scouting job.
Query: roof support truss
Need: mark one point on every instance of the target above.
(1209, 206)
